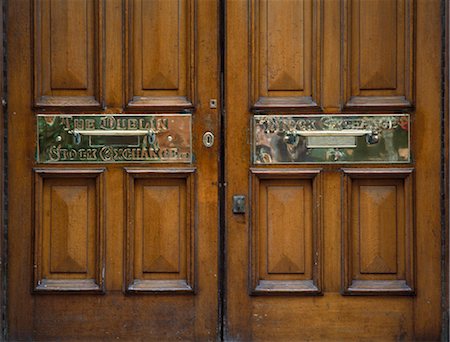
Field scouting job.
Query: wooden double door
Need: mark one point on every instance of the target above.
(125, 249)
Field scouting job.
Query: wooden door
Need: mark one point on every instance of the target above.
(115, 248)
(332, 249)
(127, 248)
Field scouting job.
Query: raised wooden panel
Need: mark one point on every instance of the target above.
(377, 45)
(160, 54)
(67, 53)
(68, 63)
(378, 53)
(285, 205)
(160, 45)
(161, 225)
(378, 251)
(286, 231)
(286, 53)
(70, 223)
(160, 230)
(377, 205)
(285, 46)
(69, 243)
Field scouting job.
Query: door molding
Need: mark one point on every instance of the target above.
(445, 178)
(3, 179)
(222, 276)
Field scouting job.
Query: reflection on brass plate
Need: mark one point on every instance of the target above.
(285, 139)
(100, 138)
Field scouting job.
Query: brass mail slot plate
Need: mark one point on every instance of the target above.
(331, 141)
(111, 138)
(358, 138)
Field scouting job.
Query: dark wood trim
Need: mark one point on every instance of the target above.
(3, 179)
(445, 174)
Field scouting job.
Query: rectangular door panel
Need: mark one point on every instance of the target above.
(160, 232)
(286, 232)
(160, 53)
(378, 236)
(69, 230)
(68, 53)
(286, 45)
(379, 53)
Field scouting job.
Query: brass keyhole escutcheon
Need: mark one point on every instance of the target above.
(208, 139)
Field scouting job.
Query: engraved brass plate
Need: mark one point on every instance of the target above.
(105, 138)
(287, 139)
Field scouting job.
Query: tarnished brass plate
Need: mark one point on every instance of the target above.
(100, 138)
(293, 139)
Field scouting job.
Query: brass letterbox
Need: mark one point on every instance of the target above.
(294, 139)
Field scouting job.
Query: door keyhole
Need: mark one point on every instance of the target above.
(208, 139)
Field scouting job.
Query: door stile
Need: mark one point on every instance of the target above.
(445, 189)
(3, 178)
(222, 265)
(236, 81)
(427, 110)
